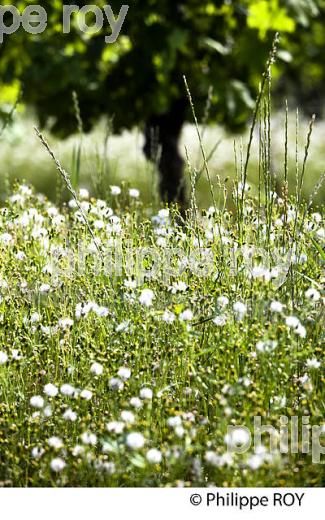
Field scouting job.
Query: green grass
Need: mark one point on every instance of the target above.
(168, 329)
(24, 160)
(209, 373)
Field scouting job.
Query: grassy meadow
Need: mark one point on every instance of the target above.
(140, 345)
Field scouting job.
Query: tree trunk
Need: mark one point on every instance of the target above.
(163, 132)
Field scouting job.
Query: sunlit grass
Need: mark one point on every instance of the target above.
(23, 159)
(131, 376)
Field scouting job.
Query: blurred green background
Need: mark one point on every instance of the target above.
(23, 158)
(220, 46)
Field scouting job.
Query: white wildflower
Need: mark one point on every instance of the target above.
(173, 422)
(136, 402)
(70, 415)
(20, 255)
(85, 206)
(78, 450)
(240, 310)
(220, 320)
(222, 301)
(238, 436)
(306, 383)
(134, 193)
(67, 389)
(317, 217)
(101, 311)
(124, 373)
(313, 363)
(179, 431)
(44, 288)
(116, 427)
(116, 384)
(259, 271)
(279, 401)
(99, 224)
(243, 187)
(161, 242)
(96, 369)
(36, 401)
(301, 331)
(123, 326)
(78, 311)
(57, 465)
(163, 213)
(84, 193)
(154, 456)
(37, 452)
(266, 346)
(312, 294)
(255, 461)
(276, 307)
(146, 297)
(186, 315)
(212, 458)
(88, 438)
(177, 287)
(292, 322)
(35, 317)
(65, 323)
(72, 204)
(115, 190)
(3, 358)
(168, 316)
(47, 411)
(129, 283)
(86, 394)
(50, 390)
(6, 238)
(146, 393)
(127, 417)
(226, 459)
(55, 442)
(135, 441)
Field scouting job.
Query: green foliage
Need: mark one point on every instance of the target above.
(223, 44)
(269, 16)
